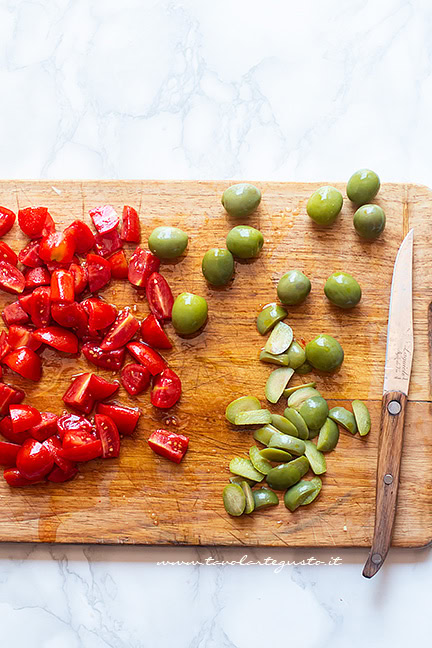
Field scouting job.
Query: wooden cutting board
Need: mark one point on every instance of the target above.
(142, 498)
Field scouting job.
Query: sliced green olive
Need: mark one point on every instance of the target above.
(304, 369)
(265, 433)
(314, 411)
(250, 502)
(312, 434)
(296, 355)
(236, 479)
(253, 417)
(280, 339)
(269, 317)
(298, 421)
(258, 462)
(288, 474)
(344, 417)
(301, 395)
(242, 404)
(296, 495)
(234, 499)
(362, 417)
(276, 383)
(286, 442)
(244, 468)
(282, 359)
(284, 425)
(276, 455)
(264, 497)
(316, 481)
(316, 458)
(328, 436)
(290, 390)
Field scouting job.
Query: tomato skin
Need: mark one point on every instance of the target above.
(100, 313)
(29, 255)
(99, 272)
(153, 334)
(106, 244)
(123, 330)
(12, 280)
(62, 286)
(141, 265)
(107, 431)
(87, 388)
(130, 229)
(119, 265)
(40, 306)
(7, 219)
(35, 221)
(21, 336)
(169, 444)
(111, 360)
(72, 422)
(159, 296)
(125, 418)
(80, 277)
(14, 314)
(37, 277)
(23, 417)
(5, 345)
(147, 356)
(101, 388)
(135, 378)
(34, 460)
(8, 453)
(8, 396)
(46, 428)
(57, 246)
(57, 337)
(166, 389)
(79, 445)
(70, 316)
(7, 254)
(58, 476)
(82, 235)
(16, 480)
(104, 218)
(25, 362)
(7, 432)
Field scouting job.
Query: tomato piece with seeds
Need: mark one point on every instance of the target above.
(107, 432)
(99, 272)
(35, 221)
(106, 244)
(23, 417)
(58, 337)
(7, 432)
(135, 378)
(58, 246)
(24, 362)
(104, 218)
(130, 229)
(169, 444)
(14, 314)
(147, 356)
(8, 453)
(159, 296)
(125, 418)
(166, 389)
(80, 277)
(21, 336)
(100, 313)
(119, 265)
(79, 445)
(7, 254)
(37, 277)
(123, 330)
(111, 360)
(153, 334)
(82, 236)
(141, 265)
(29, 255)
(40, 306)
(70, 316)
(34, 460)
(62, 286)
(72, 422)
(46, 428)
(12, 280)
(7, 219)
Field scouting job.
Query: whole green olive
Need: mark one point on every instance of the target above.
(324, 205)
(218, 266)
(369, 221)
(324, 353)
(244, 242)
(240, 200)
(293, 288)
(189, 313)
(363, 185)
(342, 290)
(167, 242)
(314, 412)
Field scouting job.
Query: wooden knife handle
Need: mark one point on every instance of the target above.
(387, 482)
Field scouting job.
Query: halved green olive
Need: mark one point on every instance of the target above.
(297, 420)
(296, 355)
(244, 468)
(253, 417)
(314, 412)
(297, 494)
(316, 458)
(301, 395)
(293, 445)
(290, 390)
(242, 404)
(362, 417)
(269, 317)
(264, 497)
(259, 463)
(250, 502)
(234, 499)
(328, 436)
(343, 417)
(317, 483)
(284, 425)
(280, 339)
(276, 383)
(276, 455)
(282, 359)
(288, 474)
(304, 369)
(265, 433)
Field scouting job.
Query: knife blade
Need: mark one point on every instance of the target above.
(399, 353)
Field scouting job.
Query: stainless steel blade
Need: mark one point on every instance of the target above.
(400, 334)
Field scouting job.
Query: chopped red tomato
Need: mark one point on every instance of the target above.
(80, 277)
(70, 316)
(106, 244)
(100, 313)
(86, 389)
(166, 389)
(21, 336)
(112, 360)
(119, 265)
(5, 346)
(25, 302)
(99, 272)
(169, 444)
(14, 314)
(15, 479)
(40, 306)
(8, 396)
(58, 337)
(24, 362)
(57, 246)
(104, 218)
(101, 388)
(23, 417)
(130, 230)
(12, 280)
(79, 445)
(125, 418)
(82, 235)
(58, 476)
(35, 221)
(54, 445)
(123, 330)
(8, 433)
(8, 453)
(141, 265)
(7, 219)
(159, 295)
(72, 422)
(152, 333)
(7, 254)
(37, 277)
(46, 428)
(135, 378)
(107, 432)
(34, 460)
(62, 286)
(147, 356)
(29, 255)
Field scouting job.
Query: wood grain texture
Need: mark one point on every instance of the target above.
(141, 498)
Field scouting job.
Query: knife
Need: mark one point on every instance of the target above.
(399, 352)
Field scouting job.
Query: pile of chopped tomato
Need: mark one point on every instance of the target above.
(56, 278)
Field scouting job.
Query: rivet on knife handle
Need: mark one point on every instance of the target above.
(388, 468)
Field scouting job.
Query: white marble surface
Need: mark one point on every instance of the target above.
(199, 89)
